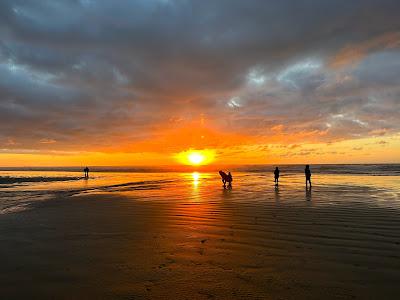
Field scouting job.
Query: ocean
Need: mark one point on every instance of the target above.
(375, 184)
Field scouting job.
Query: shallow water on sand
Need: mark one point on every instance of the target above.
(20, 190)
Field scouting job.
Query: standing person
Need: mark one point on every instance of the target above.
(307, 172)
(86, 171)
(276, 173)
(229, 180)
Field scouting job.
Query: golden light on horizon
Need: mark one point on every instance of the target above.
(196, 157)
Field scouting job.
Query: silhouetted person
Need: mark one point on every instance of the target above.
(307, 172)
(276, 174)
(223, 177)
(86, 171)
(229, 179)
(226, 178)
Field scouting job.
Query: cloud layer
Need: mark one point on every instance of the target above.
(135, 75)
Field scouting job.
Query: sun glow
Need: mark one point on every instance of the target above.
(196, 157)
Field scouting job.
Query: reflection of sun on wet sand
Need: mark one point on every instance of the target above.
(187, 237)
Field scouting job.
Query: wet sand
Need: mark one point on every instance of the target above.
(116, 245)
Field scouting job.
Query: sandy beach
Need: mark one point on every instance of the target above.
(177, 149)
(194, 240)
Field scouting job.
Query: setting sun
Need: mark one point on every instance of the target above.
(196, 157)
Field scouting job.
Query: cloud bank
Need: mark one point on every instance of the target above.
(137, 75)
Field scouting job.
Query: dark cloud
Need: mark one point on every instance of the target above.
(92, 74)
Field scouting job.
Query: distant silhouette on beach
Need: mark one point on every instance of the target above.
(230, 179)
(226, 178)
(307, 172)
(86, 171)
(276, 174)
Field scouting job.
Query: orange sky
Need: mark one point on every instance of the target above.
(366, 150)
(140, 83)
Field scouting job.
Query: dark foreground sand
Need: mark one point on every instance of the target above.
(109, 246)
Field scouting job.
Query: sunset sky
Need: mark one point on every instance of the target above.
(247, 82)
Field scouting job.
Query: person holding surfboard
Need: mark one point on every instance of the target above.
(226, 178)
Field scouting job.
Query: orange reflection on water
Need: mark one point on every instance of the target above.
(196, 177)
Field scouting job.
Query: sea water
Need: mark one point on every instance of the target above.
(376, 185)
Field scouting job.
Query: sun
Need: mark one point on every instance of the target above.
(196, 157)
